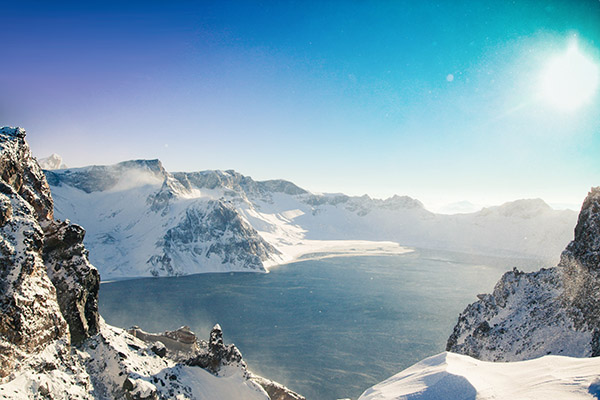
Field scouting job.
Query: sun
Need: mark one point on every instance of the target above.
(569, 80)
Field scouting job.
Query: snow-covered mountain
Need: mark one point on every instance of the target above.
(551, 311)
(54, 344)
(450, 376)
(142, 220)
(53, 161)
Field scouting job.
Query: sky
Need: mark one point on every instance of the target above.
(442, 101)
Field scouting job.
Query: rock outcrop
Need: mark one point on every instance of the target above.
(77, 282)
(214, 356)
(551, 311)
(30, 318)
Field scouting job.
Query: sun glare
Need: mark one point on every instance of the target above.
(570, 79)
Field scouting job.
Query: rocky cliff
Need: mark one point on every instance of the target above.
(551, 311)
(34, 326)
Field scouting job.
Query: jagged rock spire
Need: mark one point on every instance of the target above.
(585, 247)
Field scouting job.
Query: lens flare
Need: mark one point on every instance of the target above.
(569, 80)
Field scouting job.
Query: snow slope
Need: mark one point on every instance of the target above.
(451, 376)
(212, 221)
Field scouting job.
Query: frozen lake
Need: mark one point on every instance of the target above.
(327, 329)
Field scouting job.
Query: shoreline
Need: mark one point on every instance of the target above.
(309, 250)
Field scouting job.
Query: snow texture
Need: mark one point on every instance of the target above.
(452, 376)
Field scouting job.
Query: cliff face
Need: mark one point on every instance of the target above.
(52, 250)
(211, 230)
(551, 311)
(30, 318)
(77, 282)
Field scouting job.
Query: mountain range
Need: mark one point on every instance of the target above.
(142, 220)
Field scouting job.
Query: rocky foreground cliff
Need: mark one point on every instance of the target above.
(53, 342)
(551, 311)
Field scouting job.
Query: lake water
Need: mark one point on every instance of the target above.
(327, 329)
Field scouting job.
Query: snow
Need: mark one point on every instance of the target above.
(320, 249)
(206, 386)
(452, 376)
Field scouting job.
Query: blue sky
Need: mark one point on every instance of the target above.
(352, 97)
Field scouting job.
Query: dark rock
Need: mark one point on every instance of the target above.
(19, 170)
(159, 349)
(182, 335)
(133, 393)
(217, 353)
(584, 250)
(30, 317)
(77, 282)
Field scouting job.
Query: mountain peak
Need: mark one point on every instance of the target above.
(53, 161)
(585, 247)
(98, 178)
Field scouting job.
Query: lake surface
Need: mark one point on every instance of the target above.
(327, 329)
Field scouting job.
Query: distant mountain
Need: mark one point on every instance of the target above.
(142, 220)
(551, 311)
(54, 161)
(459, 207)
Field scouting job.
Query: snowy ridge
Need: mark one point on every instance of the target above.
(452, 376)
(240, 224)
(551, 311)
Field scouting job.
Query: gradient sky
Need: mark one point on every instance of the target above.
(350, 97)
